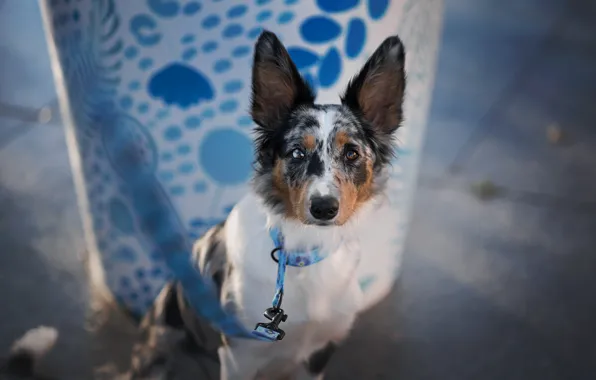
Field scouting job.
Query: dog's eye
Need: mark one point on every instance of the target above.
(298, 154)
(351, 155)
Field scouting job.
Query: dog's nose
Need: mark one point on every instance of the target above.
(324, 208)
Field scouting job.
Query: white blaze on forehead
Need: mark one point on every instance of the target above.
(325, 184)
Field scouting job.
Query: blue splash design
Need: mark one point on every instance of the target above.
(285, 17)
(145, 63)
(222, 66)
(134, 85)
(131, 52)
(121, 216)
(191, 8)
(192, 122)
(173, 133)
(262, 2)
(177, 190)
(187, 38)
(356, 37)
(330, 68)
(164, 8)
(254, 32)
(211, 22)
(228, 106)
(180, 85)
(232, 31)
(189, 54)
(244, 121)
(209, 46)
(186, 168)
(377, 8)
(200, 187)
(302, 57)
(233, 86)
(319, 29)
(337, 6)
(241, 51)
(264, 15)
(208, 113)
(237, 11)
(184, 149)
(143, 27)
(226, 156)
(143, 108)
(125, 102)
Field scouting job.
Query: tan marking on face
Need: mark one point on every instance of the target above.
(352, 196)
(294, 198)
(310, 142)
(341, 139)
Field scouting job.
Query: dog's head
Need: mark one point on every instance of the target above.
(319, 163)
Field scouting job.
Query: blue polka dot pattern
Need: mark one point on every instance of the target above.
(173, 127)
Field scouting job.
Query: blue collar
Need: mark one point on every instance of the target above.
(270, 330)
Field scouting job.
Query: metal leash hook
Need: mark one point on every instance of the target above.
(275, 314)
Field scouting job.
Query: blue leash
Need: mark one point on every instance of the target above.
(201, 298)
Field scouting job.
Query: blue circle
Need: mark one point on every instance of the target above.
(232, 31)
(237, 11)
(377, 8)
(177, 190)
(189, 54)
(126, 102)
(187, 38)
(184, 149)
(173, 133)
(143, 108)
(191, 8)
(285, 17)
(244, 121)
(336, 6)
(145, 63)
(233, 86)
(228, 106)
(262, 2)
(241, 51)
(209, 46)
(200, 187)
(211, 22)
(302, 57)
(192, 122)
(186, 168)
(319, 29)
(208, 113)
(134, 85)
(226, 156)
(222, 66)
(356, 37)
(264, 15)
(330, 68)
(254, 32)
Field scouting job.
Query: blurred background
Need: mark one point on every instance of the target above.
(498, 278)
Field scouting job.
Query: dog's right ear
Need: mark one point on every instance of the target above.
(277, 86)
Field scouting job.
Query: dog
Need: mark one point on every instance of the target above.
(319, 184)
(320, 180)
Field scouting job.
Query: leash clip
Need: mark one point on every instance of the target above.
(271, 330)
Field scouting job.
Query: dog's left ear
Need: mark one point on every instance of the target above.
(277, 86)
(377, 92)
